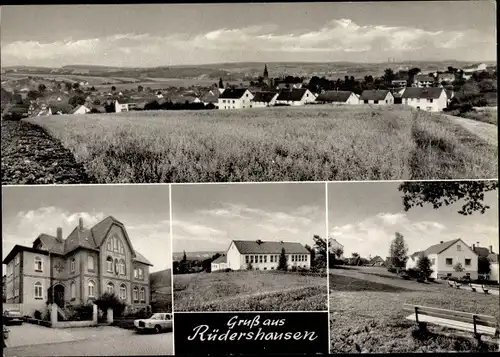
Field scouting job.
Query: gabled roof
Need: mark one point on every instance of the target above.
(293, 95)
(51, 243)
(265, 97)
(438, 248)
(79, 238)
(377, 258)
(374, 94)
(253, 247)
(416, 255)
(336, 241)
(231, 93)
(141, 258)
(425, 93)
(74, 110)
(334, 96)
(221, 259)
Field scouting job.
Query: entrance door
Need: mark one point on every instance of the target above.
(56, 293)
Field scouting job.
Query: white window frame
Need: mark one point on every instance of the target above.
(38, 259)
(110, 288)
(446, 261)
(123, 292)
(136, 293)
(90, 259)
(72, 289)
(109, 264)
(136, 273)
(465, 262)
(38, 292)
(141, 274)
(142, 294)
(121, 266)
(91, 288)
(459, 248)
(72, 265)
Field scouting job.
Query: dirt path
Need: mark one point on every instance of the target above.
(31, 156)
(485, 131)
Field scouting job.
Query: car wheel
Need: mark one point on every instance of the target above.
(157, 328)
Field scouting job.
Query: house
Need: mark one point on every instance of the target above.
(78, 268)
(492, 257)
(121, 107)
(337, 97)
(334, 245)
(399, 83)
(220, 263)
(43, 111)
(128, 104)
(376, 96)
(444, 258)
(80, 109)
(265, 255)
(295, 97)
(421, 81)
(183, 99)
(235, 98)
(60, 108)
(445, 77)
(212, 97)
(431, 99)
(475, 68)
(264, 99)
(377, 261)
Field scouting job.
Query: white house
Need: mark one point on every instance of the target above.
(445, 77)
(376, 96)
(444, 258)
(422, 81)
(431, 99)
(265, 255)
(220, 263)
(239, 98)
(295, 97)
(121, 107)
(81, 109)
(264, 99)
(333, 245)
(337, 97)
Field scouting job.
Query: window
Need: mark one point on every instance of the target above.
(467, 262)
(73, 290)
(141, 274)
(91, 289)
(123, 292)
(223, 101)
(386, 101)
(459, 248)
(136, 293)
(247, 95)
(72, 265)
(247, 259)
(38, 290)
(122, 248)
(16, 292)
(38, 264)
(136, 273)
(110, 247)
(17, 259)
(143, 295)
(110, 288)
(251, 259)
(265, 258)
(293, 258)
(90, 262)
(375, 102)
(233, 103)
(121, 267)
(449, 261)
(260, 258)
(115, 244)
(448, 275)
(418, 100)
(109, 264)
(431, 100)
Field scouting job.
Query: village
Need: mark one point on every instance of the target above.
(433, 92)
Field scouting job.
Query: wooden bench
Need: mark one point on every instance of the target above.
(477, 324)
(476, 287)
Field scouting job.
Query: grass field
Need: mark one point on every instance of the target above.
(366, 313)
(249, 291)
(273, 144)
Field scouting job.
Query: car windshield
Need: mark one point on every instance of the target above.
(157, 317)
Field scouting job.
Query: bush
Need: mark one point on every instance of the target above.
(37, 315)
(227, 270)
(413, 273)
(110, 300)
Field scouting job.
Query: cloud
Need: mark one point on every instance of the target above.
(392, 218)
(338, 36)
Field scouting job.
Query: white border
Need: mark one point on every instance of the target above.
(327, 240)
(171, 264)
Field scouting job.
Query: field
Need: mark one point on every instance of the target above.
(273, 144)
(249, 291)
(366, 312)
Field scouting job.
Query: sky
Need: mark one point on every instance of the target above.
(175, 34)
(208, 217)
(28, 211)
(365, 216)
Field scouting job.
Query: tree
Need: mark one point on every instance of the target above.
(33, 94)
(312, 252)
(398, 252)
(221, 85)
(68, 86)
(249, 266)
(483, 266)
(113, 88)
(320, 248)
(76, 85)
(388, 76)
(282, 263)
(458, 267)
(110, 301)
(439, 193)
(355, 258)
(76, 100)
(424, 267)
(184, 257)
(42, 87)
(140, 88)
(338, 252)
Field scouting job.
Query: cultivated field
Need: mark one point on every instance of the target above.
(250, 291)
(366, 312)
(273, 144)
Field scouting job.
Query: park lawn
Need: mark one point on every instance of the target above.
(310, 143)
(250, 291)
(366, 313)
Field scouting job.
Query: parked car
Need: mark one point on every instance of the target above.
(158, 322)
(12, 317)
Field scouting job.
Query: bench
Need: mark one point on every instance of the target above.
(477, 324)
(454, 284)
(476, 287)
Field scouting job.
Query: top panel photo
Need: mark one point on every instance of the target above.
(180, 93)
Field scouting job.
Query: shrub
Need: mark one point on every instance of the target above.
(413, 273)
(227, 270)
(110, 300)
(37, 315)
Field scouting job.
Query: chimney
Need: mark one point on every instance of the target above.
(59, 234)
(80, 223)
(491, 249)
(474, 247)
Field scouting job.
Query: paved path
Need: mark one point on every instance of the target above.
(33, 340)
(485, 131)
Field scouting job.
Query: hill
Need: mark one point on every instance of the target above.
(161, 278)
(201, 255)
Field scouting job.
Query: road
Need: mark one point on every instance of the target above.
(486, 131)
(91, 341)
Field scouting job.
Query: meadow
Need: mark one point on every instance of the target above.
(250, 291)
(366, 313)
(273, 144)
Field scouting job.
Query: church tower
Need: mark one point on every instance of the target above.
(266, 76)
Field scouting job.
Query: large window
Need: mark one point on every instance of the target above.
(73, 290)
(38, 290)
(72, 265)
(110, 288)
(123, 292)
(121, 267)
(109, 264)
(467, 262)
(141, 273)
(90, 262)
(38, 264)
(136, 294)
(449, 261)
(136, 273)
(143, 295)
(91, 289)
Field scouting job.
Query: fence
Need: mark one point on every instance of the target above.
(54, 309)
(19, 307)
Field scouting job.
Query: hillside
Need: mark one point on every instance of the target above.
(201, 255)
(161, 278)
